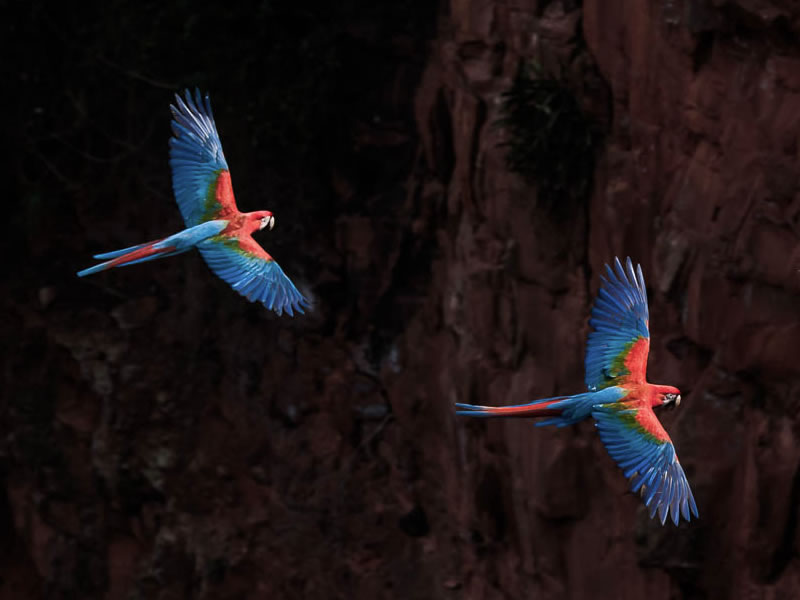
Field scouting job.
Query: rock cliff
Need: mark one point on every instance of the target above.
(162, 438)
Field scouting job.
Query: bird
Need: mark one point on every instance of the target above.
(201, 181)
(619, 398)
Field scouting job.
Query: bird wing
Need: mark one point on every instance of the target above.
(200, 176)
(617, 348)
(252, 272)
(641, 447)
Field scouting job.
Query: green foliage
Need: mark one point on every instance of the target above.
(551, 142)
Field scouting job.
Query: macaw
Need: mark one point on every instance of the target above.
(201, 181)
(619, 399)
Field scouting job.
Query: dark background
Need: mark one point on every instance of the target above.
(164, 438)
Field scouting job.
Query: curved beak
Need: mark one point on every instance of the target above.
(272, 224)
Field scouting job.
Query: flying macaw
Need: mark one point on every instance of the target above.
(619, 399)
(201, 181)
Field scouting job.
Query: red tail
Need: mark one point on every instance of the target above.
(138, 254)
(121, 258)
(534, 409)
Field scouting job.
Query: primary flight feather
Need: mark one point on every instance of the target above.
(619, 399)
(201, 181)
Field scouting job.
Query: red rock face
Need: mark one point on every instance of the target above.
(164, 439)
(697, 181)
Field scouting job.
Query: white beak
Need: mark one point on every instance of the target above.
(272, 224)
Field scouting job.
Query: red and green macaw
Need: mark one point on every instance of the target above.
(619, 398)
(201, 181)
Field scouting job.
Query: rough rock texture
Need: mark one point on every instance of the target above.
(164, 439)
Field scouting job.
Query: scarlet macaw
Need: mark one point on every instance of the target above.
(619, 398)
(202, 185)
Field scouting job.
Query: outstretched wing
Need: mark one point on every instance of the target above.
(617, 348)
(252, 272)
(638, 443)
(200, 177)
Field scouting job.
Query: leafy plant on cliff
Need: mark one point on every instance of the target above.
(551, 142)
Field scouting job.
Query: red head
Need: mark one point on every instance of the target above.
(669, 395)
(261, 219)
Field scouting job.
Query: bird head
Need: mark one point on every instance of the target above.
(671, 396)
(264, 218)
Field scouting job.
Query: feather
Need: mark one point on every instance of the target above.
(649, 457)
(617, 348)
(257, 278)
(197, 161)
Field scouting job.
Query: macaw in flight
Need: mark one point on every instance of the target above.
(619, 399)
(201, 181)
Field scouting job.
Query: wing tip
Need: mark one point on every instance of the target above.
(300, 306)
(188, 105)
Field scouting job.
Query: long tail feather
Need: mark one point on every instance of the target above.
(142, 253)
(168, 246)
(540, 408)
(562, 410)
(118, 253)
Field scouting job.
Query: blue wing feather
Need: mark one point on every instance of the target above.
(257, 279)
(651, 464)
(196, 157)
(619, 318)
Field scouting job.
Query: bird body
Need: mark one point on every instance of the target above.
(214, 225)
(619, 398)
